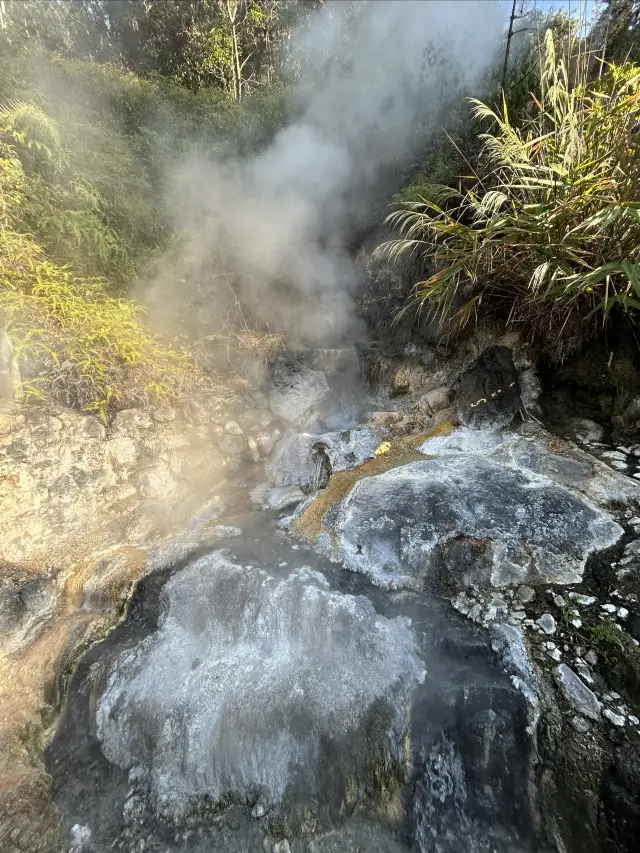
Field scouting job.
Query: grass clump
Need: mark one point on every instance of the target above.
(548, 235)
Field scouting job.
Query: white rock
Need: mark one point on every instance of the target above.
(558, 600)
(591, 658)
(547, 623)
(233, 428)
(258, 811)
(633, 721)
(525, 593)
(583, 671)
(576, 623)
(583, 699)
(614, 454)
(584, 600)
(555, 655)
(616, 719)
(580, 724)
(608, 608)
(623, 613)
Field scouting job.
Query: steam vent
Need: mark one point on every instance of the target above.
(319, 426)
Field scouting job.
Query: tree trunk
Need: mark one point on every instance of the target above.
(508, 48)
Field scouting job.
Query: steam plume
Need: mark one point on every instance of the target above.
(374, 75)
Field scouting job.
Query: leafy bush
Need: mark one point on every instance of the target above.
(549, 234)
(72, 340)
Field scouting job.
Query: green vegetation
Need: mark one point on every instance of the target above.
(98, 102)
(548, 235)
(71, 337)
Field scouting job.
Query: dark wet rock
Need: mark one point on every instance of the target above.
(487, 393)
(26, 604)
(301, 694)
(462, 520)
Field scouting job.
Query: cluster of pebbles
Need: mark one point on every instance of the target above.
(553, 620)
(623, 458)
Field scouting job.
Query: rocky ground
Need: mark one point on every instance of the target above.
(319, 633)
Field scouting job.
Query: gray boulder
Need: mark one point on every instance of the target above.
(487, 393)
(299, 459)
(465, 519)
(257, 688)
(297, 393)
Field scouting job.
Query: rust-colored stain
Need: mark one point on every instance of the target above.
(402, 452)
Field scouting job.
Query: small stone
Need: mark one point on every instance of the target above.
(607, 697)
(591, 658)
(616, 719)
(525, 593)
(614, 695)
(518, 615)
(583, 671)
(619, 465)
(585, 600)
(258, 811)
(490, 614)
(282, 847)
(623, 613)
(614, 454)
(558, 600)
(547, 623)
(576, 623)
(555, 655)
(633, 721)
(580, 651)
(576, 691)
(265, 442)
(608, 608)
(475, 613)
(233, 428)
(580, 724)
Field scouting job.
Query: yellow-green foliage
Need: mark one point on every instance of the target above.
(550, 233)
(72, 339)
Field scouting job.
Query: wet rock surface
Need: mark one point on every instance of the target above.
(252, 659)
(474, 515)
(282, 690)
(422, 744)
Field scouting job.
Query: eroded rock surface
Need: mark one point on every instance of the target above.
(487, 510)
(280, 689)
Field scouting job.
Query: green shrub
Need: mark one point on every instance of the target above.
(72, 340)
(76, 343)
(549, 234)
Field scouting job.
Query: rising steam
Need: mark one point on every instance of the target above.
(374, 76)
